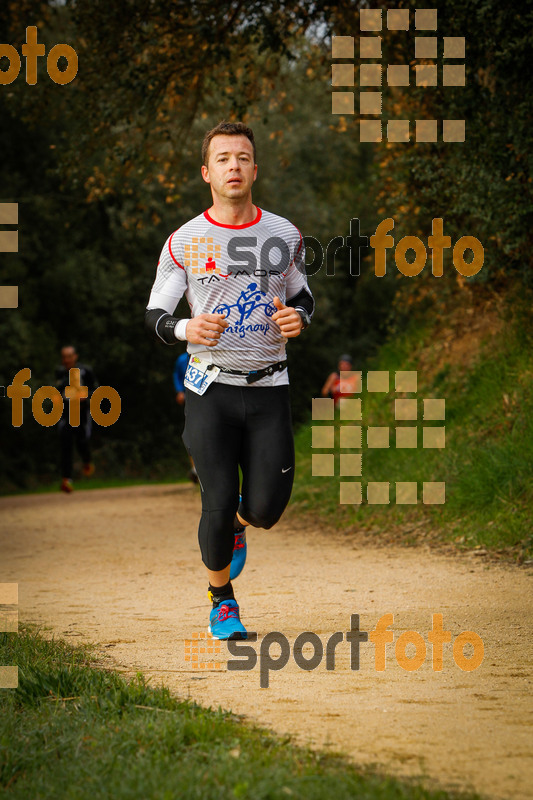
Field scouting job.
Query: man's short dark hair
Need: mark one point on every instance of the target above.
(227, 129)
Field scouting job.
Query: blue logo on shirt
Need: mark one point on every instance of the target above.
(247, 302)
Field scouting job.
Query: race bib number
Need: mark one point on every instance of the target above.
(199, 375)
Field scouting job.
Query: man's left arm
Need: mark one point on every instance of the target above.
(303, 301)
(298, 293)
(293, 317)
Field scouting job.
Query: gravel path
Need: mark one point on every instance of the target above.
(121, 567)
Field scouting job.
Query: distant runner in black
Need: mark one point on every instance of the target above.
(82, 433)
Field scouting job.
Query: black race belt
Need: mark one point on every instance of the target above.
(256, 374)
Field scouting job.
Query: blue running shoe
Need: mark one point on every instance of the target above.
(238, 559)
(225, 623)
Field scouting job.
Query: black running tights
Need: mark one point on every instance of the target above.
(232, 426)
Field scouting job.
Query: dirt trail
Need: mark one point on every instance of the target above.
(121, 567)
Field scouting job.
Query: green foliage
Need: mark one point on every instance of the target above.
(92, 228)
(481, 187)
(104, 168)
(488, 458)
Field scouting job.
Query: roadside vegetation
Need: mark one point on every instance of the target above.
(73, 730)
(475, 352)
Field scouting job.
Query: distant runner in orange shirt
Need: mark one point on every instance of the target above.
(350, 384)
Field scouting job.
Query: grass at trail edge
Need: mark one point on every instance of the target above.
(71, 730)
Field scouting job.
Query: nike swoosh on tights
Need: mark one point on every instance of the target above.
(286, 470)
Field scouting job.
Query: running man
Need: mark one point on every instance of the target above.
(82, 433)
(242, 270)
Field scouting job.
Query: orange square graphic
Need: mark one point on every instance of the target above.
(350, 408)
(370, 47)
(370, 130)
(370, 103)
(350, 493)
(351, 436)
(9, 593)
(342, 47)
(9, 677)
(9, 619)
(434, 437)
(426, 19)
(9, 241)
(342, 75)
(434, 492)
(398, 130)
(398, 19)
(342, 103)
(350, 381)
(426, 130)
(453, 130)
(377, 381)
(323, 408)
(406, 381)
(406, 492)
(434, 409)
(370, 75)
(453, 75)
(201, 644)
(370, 19)
(454, 47)
(9, 213)
(377, 492)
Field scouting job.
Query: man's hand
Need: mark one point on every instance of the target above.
(180, 398)
(289, 321)
(205, 329)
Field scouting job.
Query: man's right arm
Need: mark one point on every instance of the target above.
(203, 329)
(164, 326)
(169, 286)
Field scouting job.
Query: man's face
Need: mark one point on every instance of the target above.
(345, 366)
(68, 357)
(230, 167)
